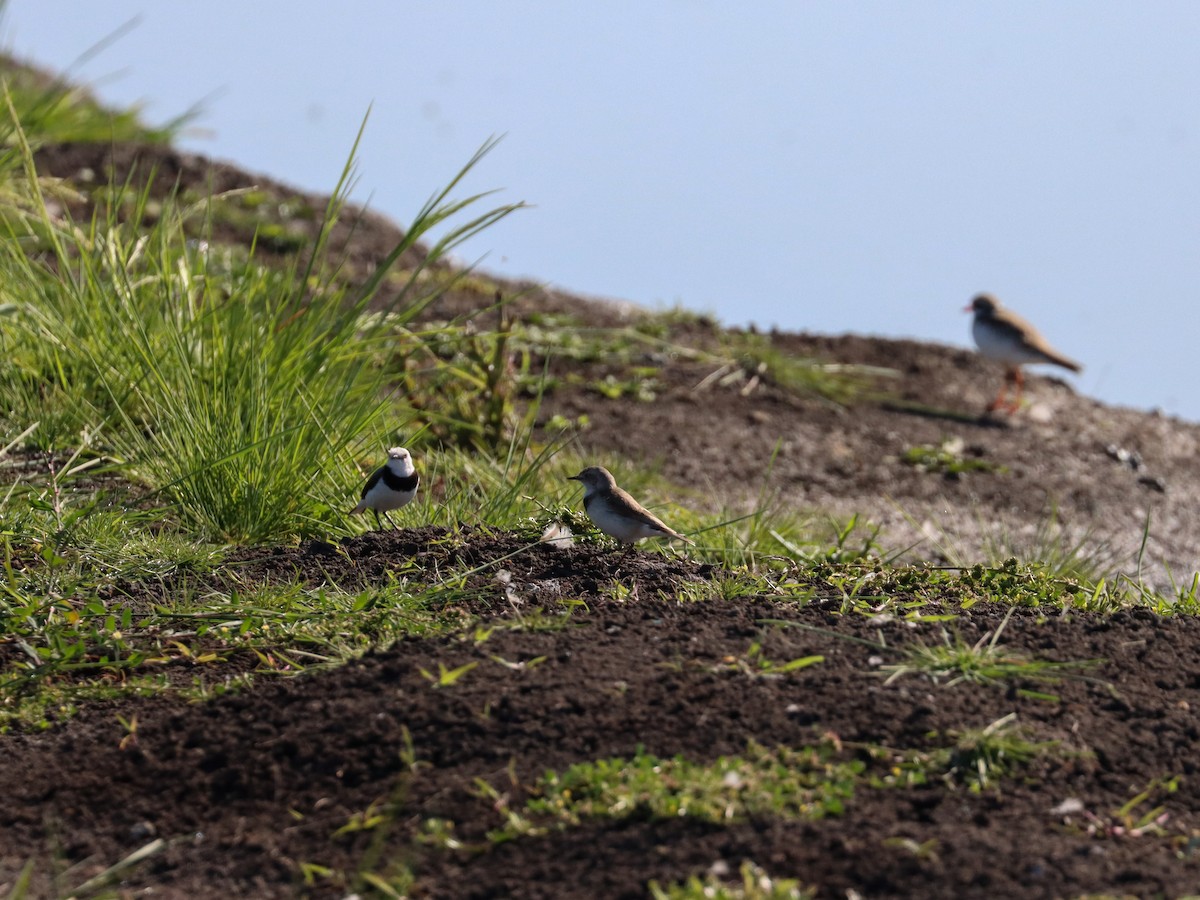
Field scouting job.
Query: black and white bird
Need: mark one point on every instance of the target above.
(616, 513)
(392, 486)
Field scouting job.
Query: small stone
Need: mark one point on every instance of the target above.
(1040, 413)
(1154, 483)
(1068, 807)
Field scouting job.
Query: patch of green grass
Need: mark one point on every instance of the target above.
(1057, 551)
(954, 661)
(980, 758)
(1021, 584)
(933, 593)
(53, 110)
(57, 699)
(463, 380)
(539, 620)
(663, 322)
(1050, 548)
(756, 884)
(75, 646)
(1183, 598)
(262, 216)
(949, 459)
(445, 677)
(773, 535)
(975, 758)
(808, 783)
(850, 541)
(639, 386)
(875, 588)
(755, 357)
(737, 584)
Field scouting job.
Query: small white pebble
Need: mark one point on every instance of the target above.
(1068, 807)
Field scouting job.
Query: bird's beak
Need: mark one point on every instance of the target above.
(572, 478)
(968, 308)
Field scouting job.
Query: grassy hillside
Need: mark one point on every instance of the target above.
(213, 680)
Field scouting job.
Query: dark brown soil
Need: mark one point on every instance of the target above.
(246, 787)
(249, 787)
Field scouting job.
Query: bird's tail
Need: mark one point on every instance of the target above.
(361, 508)
(1066, 362)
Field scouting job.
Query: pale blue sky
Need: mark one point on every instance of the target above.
(826, 166)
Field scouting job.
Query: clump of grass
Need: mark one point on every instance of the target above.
(463, 381)
(1060, 552)
(1056, 551)
(75, 646)
(774, 535)
(640, 386)
(948, 458)
(985, 662)
(756, 358)
(237, 396)
(1020, 584)
(51, 109)
(756, 884)
(979, 758)
(807, 783)
(1180, 598)
(975, 758)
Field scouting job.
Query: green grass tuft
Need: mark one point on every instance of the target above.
(793, 784)
(755, 884)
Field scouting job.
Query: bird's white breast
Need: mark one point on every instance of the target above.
(1002, 344)
(382, 498)
(613, 523)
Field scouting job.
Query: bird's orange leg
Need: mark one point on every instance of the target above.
(1014, 377)
(998, 403)
(1018, 378)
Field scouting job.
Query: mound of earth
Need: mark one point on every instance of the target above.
(252, 789)
(1102, 474)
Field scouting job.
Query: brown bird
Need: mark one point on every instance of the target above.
(1002, 335)
(616, 513)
